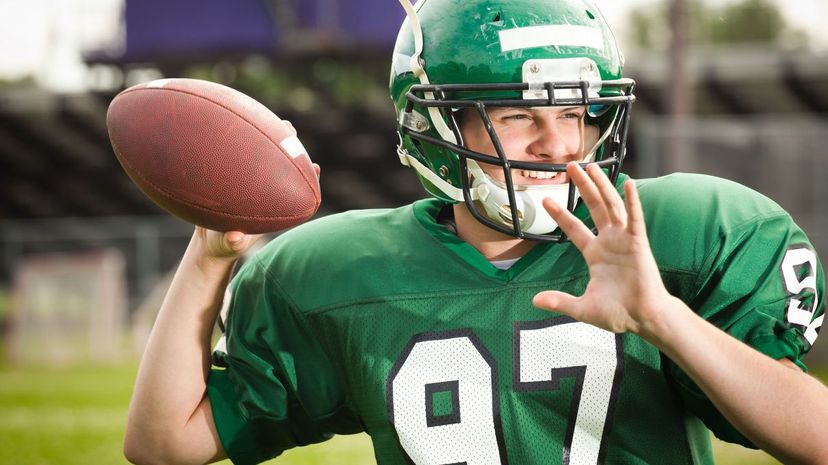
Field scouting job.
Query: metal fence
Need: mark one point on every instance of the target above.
(150, 245)
(783, 157)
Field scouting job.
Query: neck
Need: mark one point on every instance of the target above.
(492, 244)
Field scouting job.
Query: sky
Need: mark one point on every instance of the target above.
(45, 38)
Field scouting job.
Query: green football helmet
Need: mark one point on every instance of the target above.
(452, 55)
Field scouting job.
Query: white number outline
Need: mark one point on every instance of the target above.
(795, 313)
(577, 372)
(482, 351)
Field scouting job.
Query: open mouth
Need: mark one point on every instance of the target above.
(528, 177)
(521, 178)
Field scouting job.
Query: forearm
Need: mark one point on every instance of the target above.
(781, 410)
(171, 384)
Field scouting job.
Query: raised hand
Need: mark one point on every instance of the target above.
(625, 291)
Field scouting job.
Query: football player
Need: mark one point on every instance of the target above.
(673, 305)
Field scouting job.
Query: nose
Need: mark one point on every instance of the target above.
(551, 142)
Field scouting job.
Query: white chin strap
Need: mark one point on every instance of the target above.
(494, 197)
(532, 216)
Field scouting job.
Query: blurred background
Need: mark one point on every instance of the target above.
(733, 88)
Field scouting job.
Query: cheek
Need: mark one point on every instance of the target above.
(512, 140)
(591, 135)
(477, 139)
(573, 142)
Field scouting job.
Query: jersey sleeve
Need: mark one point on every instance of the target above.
(763, 284)
(272, 386)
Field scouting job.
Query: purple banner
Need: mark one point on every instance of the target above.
(197, 28)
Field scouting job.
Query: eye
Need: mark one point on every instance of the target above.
(510, 115)
(516, 116)
(573, 114)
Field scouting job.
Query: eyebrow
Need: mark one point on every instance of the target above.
(496, 110)
(573, 107)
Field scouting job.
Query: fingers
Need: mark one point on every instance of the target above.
(599, 194)
(555, 301)
(317, 169)
(590, 194)
(612, 201)
(574, 228)
(602, 199)
(232, 238)
(635, 214)
(236, 243)
(225, 245)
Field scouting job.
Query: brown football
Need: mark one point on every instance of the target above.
(213, 156)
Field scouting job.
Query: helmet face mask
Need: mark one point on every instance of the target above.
(552, 64)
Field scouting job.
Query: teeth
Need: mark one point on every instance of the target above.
(538, 174)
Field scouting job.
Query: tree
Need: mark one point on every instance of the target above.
(751, 21)
(743, 22)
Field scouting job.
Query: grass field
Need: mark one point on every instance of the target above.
(75, 416)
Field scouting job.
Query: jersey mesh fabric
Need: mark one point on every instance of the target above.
(349, 322)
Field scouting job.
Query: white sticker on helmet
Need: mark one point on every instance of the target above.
(560, 35)
(293, 146)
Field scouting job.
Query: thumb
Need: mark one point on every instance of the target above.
(556, 301)
(233, 238)
(236, 242)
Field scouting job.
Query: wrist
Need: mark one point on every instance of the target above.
(665, 321)
(208, 264)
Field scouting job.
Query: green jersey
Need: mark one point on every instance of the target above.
(384, 321)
